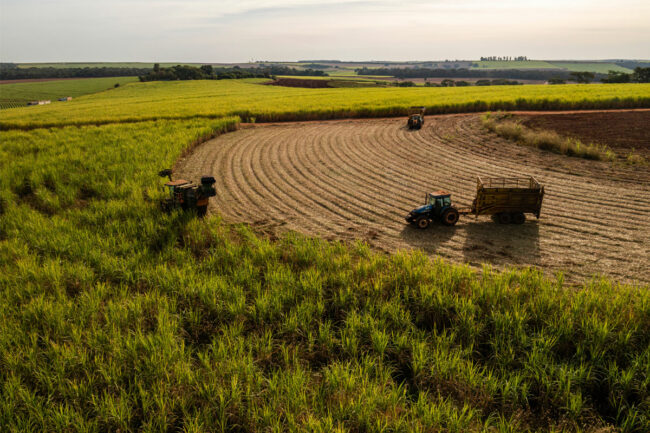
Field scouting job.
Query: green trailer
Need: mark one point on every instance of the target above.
(509, 199)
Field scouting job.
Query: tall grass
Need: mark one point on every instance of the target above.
(248, 99)
(545, 139)
(115, 317)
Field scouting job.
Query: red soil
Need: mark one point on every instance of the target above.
(301, 82)
(622, 130)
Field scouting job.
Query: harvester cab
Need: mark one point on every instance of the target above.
(437, 206)
(186, 195)
(416, 117)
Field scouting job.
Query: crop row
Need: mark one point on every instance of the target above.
(252, 101)
(115, 317)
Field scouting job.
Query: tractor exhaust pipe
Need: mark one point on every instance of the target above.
(166, 172)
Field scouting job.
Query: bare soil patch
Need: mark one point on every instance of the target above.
(620, 130)
(439, 80)
(298, 82)
(357, 179)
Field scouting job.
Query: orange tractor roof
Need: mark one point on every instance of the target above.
(176, 182)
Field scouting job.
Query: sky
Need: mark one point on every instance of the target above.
(289, 30)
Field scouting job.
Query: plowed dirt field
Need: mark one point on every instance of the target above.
(357, 179)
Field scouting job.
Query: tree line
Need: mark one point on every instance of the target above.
(522, 74)
(207, 72)
(461, 83)
(11, 71)
(504, 59)
(640, 75)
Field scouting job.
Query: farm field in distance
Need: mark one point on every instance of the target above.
(303, 301)
(343, 68)
(14, 95)
(249, 100)
(528, 64)
(597, 67)
(602, 68)
(100, 65)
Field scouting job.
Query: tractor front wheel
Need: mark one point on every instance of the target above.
(422, 223)
(166, 206)
(450, 217)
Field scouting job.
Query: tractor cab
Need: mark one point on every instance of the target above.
(416, 117)
(175, 186)
(439, 200)
(437, 206)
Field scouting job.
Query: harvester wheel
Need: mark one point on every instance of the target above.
(166, 206)
(518, 218)
(450, 217)
(504, 218)
(202, 210)
(422, 222)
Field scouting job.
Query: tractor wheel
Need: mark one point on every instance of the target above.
(518, 218)
(450, 217)
(422, 222)
(504, 218)
(202, 210)
(166, 206)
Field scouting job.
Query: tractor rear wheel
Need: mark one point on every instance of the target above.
(422, 222)
(504, 218)
(450, 217)
(518, 218)
(166, 205)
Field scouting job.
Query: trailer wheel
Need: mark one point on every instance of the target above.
(450, 217)
(504, 218)
(422, 222)
(518, 218)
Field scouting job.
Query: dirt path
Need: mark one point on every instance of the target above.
(357, 179)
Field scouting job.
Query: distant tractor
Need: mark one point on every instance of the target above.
(416, 117)
(508, 199)
(187, 195)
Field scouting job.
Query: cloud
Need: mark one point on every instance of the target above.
(228, 30)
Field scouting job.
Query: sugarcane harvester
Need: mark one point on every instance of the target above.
(187, 195)
(416, 117)
(509, 199)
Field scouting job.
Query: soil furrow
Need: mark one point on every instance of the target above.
(357, 179)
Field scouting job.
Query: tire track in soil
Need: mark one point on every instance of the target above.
(356, 179)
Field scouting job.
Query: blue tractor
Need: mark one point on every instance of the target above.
(437, 207)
